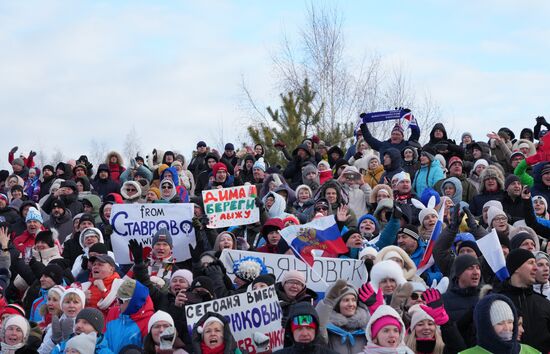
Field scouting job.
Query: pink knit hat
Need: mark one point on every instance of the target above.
(383, 322)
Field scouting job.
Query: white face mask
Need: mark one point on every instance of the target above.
(506, 336)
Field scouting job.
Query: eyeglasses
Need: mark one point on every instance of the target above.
(415, 296)
(302, 320)
(500, 218)
(321, 208)
(166, 186)
(294, 282)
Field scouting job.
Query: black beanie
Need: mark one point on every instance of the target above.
(518, 239)
(268, 279)
(516, 258)
(509, 180)
(348, 234)
(203, 282)
(93, 316)
(461, 263)
(55, 272)
(87, 217)
(98, 248)
(45, 236)
(504, 241)
(58, 203)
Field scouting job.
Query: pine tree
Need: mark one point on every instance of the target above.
(295, 120)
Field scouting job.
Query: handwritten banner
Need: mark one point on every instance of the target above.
(141, 221)
(253, 311)
(325, 270)
(231, 206)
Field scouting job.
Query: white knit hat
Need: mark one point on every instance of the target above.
(367, 251)
(493, 203)
(19, 321)
(183, 273)
(479, 162)
(58, 290)
(208, 321)
(425, 212)
(76, 291)
(500, 311)
(492, 213)
(84, 343)
(159, 316)
(417, 315)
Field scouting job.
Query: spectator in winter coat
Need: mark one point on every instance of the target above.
(475, 173)
(409, 154)
(342, 319)
(442, 144)
(25, 241)
(491, 188)
(301, 156)
(103, 183)
(512, 202)
(270, 231)
(67, 192)
(89, 321)
(161, 325)
(101, 289)
(396, 140)
(198, 162)
(9, 214)
(357, 190)
(16, 331)
(60, 219)
(212, 334)
(203, 177)
(535, 308)
(128, 323)
(463, 294)
(291, 290)
(46, 180)
(392, 164)
(429, 173)
(496, 320)
(116, 165)
(385, 332)
(373, 174)
(541, 177)
(455, 166)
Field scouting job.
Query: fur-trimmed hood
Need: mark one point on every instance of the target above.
(120, 160)
(491, 172)
(532, 148)
(125, 194)
(372, 197)
(409, 271)
(457, 197)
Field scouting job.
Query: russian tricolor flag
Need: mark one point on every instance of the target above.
(320, 234)
(489, 245)
(428, 260)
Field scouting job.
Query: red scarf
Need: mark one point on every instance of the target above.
(216, 350)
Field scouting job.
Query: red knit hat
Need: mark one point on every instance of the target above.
(383, 322)
(218, 166)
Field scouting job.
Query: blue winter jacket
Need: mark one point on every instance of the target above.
(427, 176)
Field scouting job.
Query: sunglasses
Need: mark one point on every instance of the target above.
(131, 190)
(166, 186)
(415, 296)
(120, 301)
(302, 320)
(321, 208)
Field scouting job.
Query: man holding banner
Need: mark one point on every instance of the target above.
(397, 137)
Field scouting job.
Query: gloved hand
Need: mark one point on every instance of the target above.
(136, 249)
(441, 286)
(400, 296)
(370, 298)
(14, 149)
(358, 155)
(57, 335)
(258, 202)
(32, 154)
(84, 263)
(334, 291)
(167, 338)
(455, 220)
(470, 218)
(435, 307)
(396, 212)
(541, 120)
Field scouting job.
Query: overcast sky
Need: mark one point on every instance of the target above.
(73, 71)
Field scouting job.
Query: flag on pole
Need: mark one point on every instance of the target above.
(320, 234)
(428, 260)
(489, 246)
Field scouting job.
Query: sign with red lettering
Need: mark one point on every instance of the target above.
(247, 313)
(232, 206)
